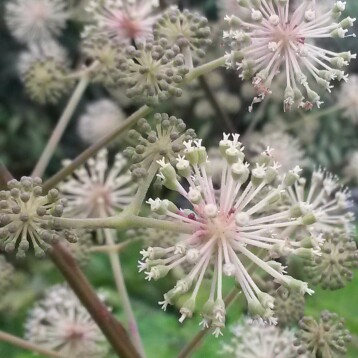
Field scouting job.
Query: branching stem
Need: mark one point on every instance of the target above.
(60, 127)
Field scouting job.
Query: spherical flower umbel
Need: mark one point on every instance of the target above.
(164, 139)
(257, 340)
(35, 20)
(107, 54)
(289, 306)
(122, 20)
(333, 269)
(277, 38)
(347, 98)
(61, 323)
(188, 30)
(152, 72)
(44, 71)
(229, 231)
(101, 118)
(26, 215)
(324, 204)
(324, 338)
(98, 189)
(284, 149)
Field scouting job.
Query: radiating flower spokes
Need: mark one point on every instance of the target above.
(276, 38)
(229, 230)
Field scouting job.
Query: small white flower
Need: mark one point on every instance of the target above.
(61, 323)
(35, 20)
(97, 189)
(101, 118)
(257, 340)
(122, 20)
(277, 38)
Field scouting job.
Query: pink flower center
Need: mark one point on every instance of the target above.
(122, 22)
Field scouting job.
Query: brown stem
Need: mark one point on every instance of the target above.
(197, 339)
(216, 105)
(111, 328)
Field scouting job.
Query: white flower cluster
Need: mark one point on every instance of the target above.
(232, 230)
(60, 322)
(277, 38)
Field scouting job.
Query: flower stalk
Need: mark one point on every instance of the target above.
(61, 127)
(19, 342)
(123, 294)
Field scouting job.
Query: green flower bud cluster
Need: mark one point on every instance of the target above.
(324, 338)
(153, 71)
(188, 30)
(333, 268)
(108, 54)
(26, 215)
(164, 139)
(289, 306)
(45, 81)
(6, 274)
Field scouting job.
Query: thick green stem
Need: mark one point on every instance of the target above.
(123, 294)
(60, 127)
(122, 222)
(203, 69)
(88, 153)
(18, 342)
(111, 328)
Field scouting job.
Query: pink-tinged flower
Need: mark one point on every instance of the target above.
(234, 231)
(278, 39)
(98, 188)
(61, 323)
(35, 20)
(122, 20)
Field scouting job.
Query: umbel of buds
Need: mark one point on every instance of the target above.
(25, 217)
(45, 81)
(324, 338)
(277, 38)
(333, 269)
(108, 54)
(152, 72)
(289, 306)
(164, 138)
(188, 30)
